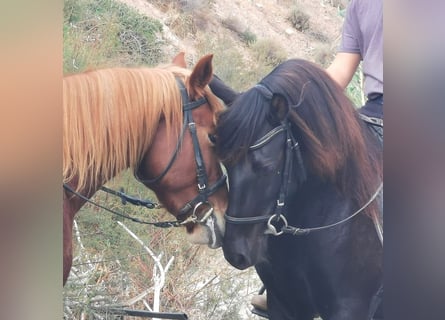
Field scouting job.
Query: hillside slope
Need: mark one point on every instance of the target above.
(263, 19)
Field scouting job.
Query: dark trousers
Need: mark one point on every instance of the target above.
(373, 108)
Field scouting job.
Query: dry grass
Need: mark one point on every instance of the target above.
(323, 55)
(269, 52)
(234, 24)
(183, 25)
(299, 18)
(340, 4)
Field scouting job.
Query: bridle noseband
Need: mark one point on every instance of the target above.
(204, 191)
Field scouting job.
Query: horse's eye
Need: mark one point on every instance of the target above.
(212, 138)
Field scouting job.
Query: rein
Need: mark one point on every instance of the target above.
(162, 224)
(291, 145)
(135, 201)
(301, 231)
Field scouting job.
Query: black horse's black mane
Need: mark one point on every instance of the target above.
(310, 93)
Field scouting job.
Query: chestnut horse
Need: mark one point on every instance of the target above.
(156, 121)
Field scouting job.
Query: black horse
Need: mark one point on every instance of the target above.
(305, 198)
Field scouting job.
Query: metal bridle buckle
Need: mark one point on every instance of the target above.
(194, 218)
(271, 228)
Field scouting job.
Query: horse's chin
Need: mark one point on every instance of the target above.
(208, 233)
(245, 251)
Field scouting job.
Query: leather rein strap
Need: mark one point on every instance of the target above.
(161, 224)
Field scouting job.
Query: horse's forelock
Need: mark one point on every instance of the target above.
(212, 99)
(238, 124)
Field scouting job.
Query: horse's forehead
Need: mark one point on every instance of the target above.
(204, 116)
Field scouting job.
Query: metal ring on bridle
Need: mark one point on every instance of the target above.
(207, 214)
(194, 218)
(271, 228)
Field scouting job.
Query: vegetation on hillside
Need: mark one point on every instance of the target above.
(99, 33)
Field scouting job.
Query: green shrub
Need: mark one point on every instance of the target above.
(248, 37)
(106, 32)
(355, 88)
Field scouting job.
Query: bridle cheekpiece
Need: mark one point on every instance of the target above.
(204, 191)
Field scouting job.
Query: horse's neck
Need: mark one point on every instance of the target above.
(314, 200)
(73, 201)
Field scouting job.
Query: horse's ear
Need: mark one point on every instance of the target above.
(202, 73)
(223, 91)
(279, 105)
(179, 60)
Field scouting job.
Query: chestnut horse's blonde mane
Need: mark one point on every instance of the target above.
(110, 117)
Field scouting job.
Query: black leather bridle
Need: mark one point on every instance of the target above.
(292, 150)
(204, 191)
